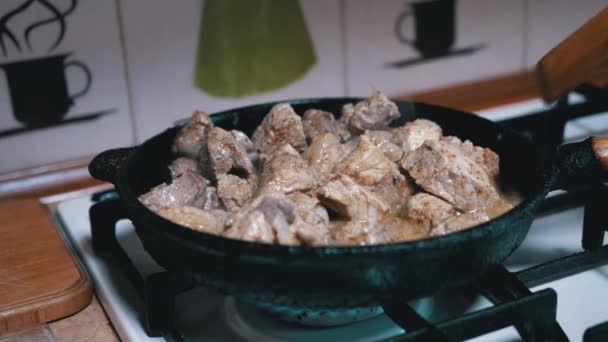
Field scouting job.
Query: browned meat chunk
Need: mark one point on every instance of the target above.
(459, 222)
(224, 155)
(442, 169)
(211, 199)
(190, 139)
(309, 209)
(385, 140)
(280, 126)
(323, 155)
(286, 172)
(375, 112)
(351, 200)
(428, 208)
(251, 227)
(482, 156)
(311, 227)
(233, 191)
(350, 145)
(316, 121)
(271, 220)
(197, 219)
(413, 134)
(243, 140)
(394, 189)
(182, 164)
(280, 214)
(188, 189)
(390, 229)
(367, 164)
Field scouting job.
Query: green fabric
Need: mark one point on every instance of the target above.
(251, 46)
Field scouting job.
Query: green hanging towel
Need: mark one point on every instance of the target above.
(251, 46)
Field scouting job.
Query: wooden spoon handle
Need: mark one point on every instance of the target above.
(577, 59)
(600, 149)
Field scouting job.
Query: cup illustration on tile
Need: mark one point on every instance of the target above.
(38, 87)
(434, 31)
(251, 47)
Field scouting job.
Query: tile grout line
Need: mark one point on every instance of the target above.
(344, 47)
(126, 71)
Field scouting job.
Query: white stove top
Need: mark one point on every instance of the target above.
(205, 316)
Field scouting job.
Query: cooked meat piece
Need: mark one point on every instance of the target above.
(351, 144)
(280, 126)
(191, 137)
(375, 112)
(413, 134)
(316, 121)
(251, 227)
(286, 172)
(281, 215)
(388, 230)
(323, 155)
(351, 200)
(311, 234)
(197, 219)
(211, 199)
(271, 220)
(400, 229)
(309, 208)
(233, 191)
(482, 156)
(444, 170)
(311, 226)
(243, 140)
(188, 189)
(426, 207)
(366, 164)
(350, 232)
(224, 155)
(181, 164)
(459, 222)
(385, 140)
(394, 189)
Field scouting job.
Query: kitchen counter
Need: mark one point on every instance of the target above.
(90, 323)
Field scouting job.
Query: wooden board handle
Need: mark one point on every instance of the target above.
(577, 59)
(600, 149)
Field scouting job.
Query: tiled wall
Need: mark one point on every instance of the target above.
(142, 55)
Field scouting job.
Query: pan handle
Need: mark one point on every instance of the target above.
(582, 163)
(105, 165)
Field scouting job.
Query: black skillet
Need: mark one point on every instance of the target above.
(346, 276)
(340, 277)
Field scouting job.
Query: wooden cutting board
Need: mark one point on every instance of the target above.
(40, 280)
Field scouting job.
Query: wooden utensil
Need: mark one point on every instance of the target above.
(40, 280)
(577, 59)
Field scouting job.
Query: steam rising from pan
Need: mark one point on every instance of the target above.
(57, 16)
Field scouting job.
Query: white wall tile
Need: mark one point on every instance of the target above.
(92, 37)
(550, 21)
(371, 43)
(161, 41)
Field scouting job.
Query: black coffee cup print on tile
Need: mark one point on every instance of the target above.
(434, 28)
(39, 90)
(434, 32)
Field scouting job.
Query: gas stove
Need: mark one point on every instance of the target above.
(551, 288)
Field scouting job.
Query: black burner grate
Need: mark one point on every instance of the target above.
(533, 314)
